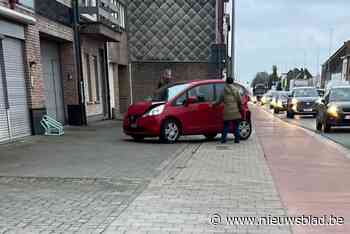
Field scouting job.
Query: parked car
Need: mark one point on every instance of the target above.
(281, 102)
(302, 101)
(334, 109)
(184, 108)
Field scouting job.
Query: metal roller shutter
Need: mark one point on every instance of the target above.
(4, 131)
(16, 87)
(50, 60)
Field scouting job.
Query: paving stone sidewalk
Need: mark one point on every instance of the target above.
(207, 179)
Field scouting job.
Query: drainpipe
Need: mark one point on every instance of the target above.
(106, 55)
(78, 59)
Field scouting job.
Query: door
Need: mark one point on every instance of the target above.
(14, 115)
(51, 68)
(198, 116)
(219, 109)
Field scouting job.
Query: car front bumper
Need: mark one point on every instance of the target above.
(340, 121)
(143, 126)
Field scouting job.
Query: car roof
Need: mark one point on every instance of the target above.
(340, 87)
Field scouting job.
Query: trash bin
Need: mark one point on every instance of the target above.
(75, 115)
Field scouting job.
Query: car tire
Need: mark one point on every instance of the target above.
(138, 138)
(276, 111)
(318, 126)
(211, 136)
(170, 131)
(245, 129)
(326, 127)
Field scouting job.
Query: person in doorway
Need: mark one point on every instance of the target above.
(232, 110)
(165, 78)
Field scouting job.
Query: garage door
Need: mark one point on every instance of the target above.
(14, 118)
(51, 67)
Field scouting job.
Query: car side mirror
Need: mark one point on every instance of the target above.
(191, 100)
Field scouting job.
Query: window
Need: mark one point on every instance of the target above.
(203, 93)
(219, 91)
(180, 101)
(27, 3)
(88, 72)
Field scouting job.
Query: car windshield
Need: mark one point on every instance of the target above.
(283, 96)
(340, 95)
(167, 93)
(305, 93)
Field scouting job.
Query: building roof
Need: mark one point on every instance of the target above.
(338, 52)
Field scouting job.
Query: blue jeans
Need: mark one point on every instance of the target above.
(235, 130)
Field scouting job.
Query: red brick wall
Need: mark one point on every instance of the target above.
(69, 74)
(146, 75)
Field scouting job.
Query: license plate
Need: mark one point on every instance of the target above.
(347, 116)
(307, 110)
(134, 125)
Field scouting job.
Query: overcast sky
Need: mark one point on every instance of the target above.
(288, 33)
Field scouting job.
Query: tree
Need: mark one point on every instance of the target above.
(273, 78)
(260, 78)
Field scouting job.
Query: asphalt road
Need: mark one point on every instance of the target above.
(340, 135)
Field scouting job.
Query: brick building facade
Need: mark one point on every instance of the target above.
(49, 60)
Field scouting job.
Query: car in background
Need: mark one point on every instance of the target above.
(184, 108)
(320, 92)
(273, 101)
(258, 91)
(334, 109)
(281, 102)
(266, 99)
(302, 101)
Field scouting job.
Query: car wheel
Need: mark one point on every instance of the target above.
(210, 136)
(326, 127)
(318, 126)
(170, 131)
(276, 111)
(245, 129)
(138, 138)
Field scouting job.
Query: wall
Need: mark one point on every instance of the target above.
(177, 31)
(118, 51)
(145, 76)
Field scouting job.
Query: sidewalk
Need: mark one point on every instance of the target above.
(206, 179)
(311, 173)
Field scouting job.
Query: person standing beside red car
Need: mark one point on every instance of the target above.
(232, 110)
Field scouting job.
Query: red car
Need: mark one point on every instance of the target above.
(184, 109)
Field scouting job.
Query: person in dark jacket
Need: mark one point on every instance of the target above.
(232, 110)
(165, 78)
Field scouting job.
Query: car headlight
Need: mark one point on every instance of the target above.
(279, 103)
(155, 111)
(294, 101)
(333, 110)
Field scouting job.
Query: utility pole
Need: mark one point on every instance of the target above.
(233, 29)
(78, 61)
